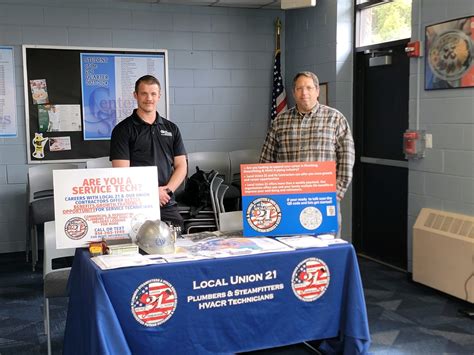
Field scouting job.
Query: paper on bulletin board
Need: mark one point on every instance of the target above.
(59, 118)
(289, 198)
(90, 204)
(108, 83)
(8, 122)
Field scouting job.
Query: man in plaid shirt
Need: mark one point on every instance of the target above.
(311, 131)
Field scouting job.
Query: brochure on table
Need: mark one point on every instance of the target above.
(90, 204)
(199, 246)
(227, 244)
(289, 198)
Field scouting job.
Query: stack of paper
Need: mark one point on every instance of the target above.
(106, 262)
(303, 241)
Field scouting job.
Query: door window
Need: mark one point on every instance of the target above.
(382, 21)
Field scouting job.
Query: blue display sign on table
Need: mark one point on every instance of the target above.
(289, 198)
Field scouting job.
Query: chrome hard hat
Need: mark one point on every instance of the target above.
(156, 237)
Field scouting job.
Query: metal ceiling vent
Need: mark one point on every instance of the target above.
(443, 252)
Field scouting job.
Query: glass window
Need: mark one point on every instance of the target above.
(389, 21)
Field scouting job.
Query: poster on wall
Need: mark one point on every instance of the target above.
(289, 198)
(108, 83)
(90, 204)
(8, 123)
(450, 54)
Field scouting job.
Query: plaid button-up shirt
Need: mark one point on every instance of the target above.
(320, 135)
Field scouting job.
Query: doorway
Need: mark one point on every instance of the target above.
(381, 171)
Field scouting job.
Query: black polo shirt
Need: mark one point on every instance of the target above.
(145, 144)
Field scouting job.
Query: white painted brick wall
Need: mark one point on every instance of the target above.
(91, 36)
(211, 41)
(210, 113)
(17, 174)
(193, 59)
(230, 60)
(181, 78)
(444, 179)
(192, 22)
(182, 113)
(3, 175)
(212, 78)
(242, 112)
(220, 64)
(174, 40)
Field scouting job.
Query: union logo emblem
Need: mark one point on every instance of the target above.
(263, 214)
(154, 302)
(76, 228)
(310, 279)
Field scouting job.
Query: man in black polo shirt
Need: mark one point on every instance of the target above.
(147, 139)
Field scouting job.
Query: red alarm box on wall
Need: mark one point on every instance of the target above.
(413, 49)
(414, 144)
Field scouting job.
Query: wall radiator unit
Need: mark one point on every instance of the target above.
(443, 252)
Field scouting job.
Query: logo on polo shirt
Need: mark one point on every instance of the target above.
(310, 279)
(154, 302)
(165, 133)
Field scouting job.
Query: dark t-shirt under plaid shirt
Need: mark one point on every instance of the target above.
(320, 135)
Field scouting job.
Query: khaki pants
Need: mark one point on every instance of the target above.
(339, 219)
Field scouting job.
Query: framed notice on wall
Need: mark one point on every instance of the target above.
(449, 55)
(8, 123)
(323, 93)
(80, 94)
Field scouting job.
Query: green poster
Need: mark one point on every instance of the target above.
(43, 118)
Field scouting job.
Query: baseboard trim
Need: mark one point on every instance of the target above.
(382, 263)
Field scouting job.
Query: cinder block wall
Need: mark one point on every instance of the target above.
(220, 66)
(444, 179)
(320, 40)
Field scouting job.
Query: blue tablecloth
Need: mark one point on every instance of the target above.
(217, 306)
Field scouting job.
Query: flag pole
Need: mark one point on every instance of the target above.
(277, 34)
(279, 103)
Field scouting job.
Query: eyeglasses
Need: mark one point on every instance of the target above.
(307, 88)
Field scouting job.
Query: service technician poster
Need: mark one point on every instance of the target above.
(90, 204)
(289, 198)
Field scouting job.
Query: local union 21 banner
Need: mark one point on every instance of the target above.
(90, 204)
(289, 198)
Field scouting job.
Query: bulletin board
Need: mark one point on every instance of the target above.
(74, 97)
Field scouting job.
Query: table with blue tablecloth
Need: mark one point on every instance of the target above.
(218, 306)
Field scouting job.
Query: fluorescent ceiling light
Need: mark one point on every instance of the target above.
(296, 4)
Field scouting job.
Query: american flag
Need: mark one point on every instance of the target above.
(311, 279)
(278, 94)
(154, 303)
